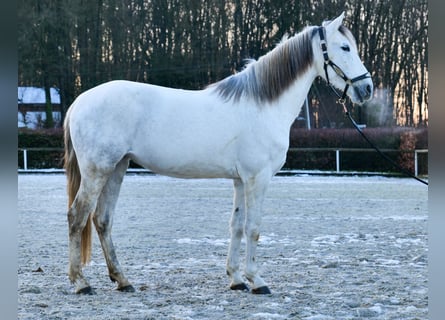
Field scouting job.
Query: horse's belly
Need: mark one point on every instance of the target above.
(181, 168)
(189, 172)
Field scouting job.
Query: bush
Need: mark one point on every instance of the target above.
(51, 138)
(401, 139)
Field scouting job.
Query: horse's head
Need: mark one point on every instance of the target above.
(339, 63)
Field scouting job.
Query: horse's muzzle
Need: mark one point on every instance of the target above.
(364, 91)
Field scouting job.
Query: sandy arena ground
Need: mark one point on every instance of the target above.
(330, 248)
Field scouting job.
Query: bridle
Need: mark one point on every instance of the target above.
(329, 63)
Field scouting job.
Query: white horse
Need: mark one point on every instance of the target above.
(237, 128)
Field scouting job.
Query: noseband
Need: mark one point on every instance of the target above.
(337, 69)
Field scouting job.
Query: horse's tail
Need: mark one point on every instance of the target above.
(73, 183)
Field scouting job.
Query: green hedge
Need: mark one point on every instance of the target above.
(385, 138)
(49, 138)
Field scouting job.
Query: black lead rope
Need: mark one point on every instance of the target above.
(396, 165)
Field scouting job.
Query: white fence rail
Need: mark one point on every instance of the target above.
(337, 151)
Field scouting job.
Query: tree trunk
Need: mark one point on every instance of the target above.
(49, 121)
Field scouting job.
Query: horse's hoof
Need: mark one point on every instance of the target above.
(261, 290)
(128, 288)
(239, 286)
(87, 290)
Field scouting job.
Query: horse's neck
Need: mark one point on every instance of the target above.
(291, 101)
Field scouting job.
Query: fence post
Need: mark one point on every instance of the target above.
(25, 159)
(416, 170)
(337, 160)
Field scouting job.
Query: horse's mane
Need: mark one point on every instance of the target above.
(265, 79)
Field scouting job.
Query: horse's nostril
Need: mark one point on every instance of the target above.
(368, 89)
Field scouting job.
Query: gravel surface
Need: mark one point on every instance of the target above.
(330, 248)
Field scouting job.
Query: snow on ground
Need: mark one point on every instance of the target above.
(330, 248)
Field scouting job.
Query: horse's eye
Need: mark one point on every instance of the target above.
(345, 47)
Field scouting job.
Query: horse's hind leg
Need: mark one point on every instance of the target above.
(78, 214)
(103, 220)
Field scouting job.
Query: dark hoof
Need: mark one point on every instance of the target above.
(128, 288)
(86, 290)
(261, 290)
(240, 286)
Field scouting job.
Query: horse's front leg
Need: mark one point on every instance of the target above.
(236, 234)
(255, 190)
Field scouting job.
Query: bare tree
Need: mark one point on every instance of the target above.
(76, 45)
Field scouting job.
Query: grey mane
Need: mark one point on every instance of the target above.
(266, 79)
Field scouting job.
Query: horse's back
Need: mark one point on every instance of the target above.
(171, 131)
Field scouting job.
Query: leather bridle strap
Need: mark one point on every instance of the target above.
(329, 63)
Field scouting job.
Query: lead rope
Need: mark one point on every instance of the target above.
(396, 165)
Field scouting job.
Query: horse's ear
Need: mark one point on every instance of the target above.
(333, 25)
